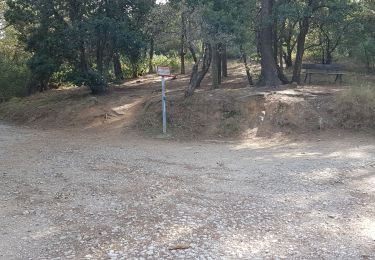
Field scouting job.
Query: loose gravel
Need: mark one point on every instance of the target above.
(70, 195)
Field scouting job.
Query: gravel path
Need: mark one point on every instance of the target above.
(89, 196)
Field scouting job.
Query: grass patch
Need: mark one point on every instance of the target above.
(356, 106)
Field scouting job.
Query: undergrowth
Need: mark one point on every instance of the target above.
(356, 106)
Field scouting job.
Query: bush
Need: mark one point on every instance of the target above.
(13, 69)
(13, 78)
(96, 82)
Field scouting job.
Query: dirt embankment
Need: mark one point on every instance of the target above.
(235, 110)
(244, 112)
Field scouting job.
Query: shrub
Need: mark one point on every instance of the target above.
(13, 69)
(13, 79)
(96, 82)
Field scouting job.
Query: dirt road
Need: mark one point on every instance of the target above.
(99, 196)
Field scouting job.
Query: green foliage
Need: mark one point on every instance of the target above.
(359, 42)
(76, 41)
(13, 79)
(13, 69)
(81, 35)
(96, 82)
(171, 61)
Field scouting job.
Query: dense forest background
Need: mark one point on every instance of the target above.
(49, 43)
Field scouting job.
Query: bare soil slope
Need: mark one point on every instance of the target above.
(234, 110)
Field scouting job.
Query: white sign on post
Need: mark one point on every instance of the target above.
(164, 72)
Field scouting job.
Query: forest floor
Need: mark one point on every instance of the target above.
(69, 194)
(79, 181)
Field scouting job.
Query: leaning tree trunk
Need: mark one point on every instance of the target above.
(269, 72)
(304, 29)
(198, 75)
(193, 54)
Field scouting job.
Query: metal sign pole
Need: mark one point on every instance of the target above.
(164, 100)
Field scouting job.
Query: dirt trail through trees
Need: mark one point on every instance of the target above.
(85, 195)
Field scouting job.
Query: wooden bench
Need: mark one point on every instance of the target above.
(328, 69)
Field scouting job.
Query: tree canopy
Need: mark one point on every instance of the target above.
(94, 42)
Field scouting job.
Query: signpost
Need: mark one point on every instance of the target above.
(164, 72)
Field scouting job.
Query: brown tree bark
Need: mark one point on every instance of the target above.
(269, 72)
(117, 67)
(224, 61)
(193, 54)
(151, 56)
(219, 62)
(280, 66)
(99, 54)
(304, 29)
(75, 15)
(215, 67)
(200, 70)
(289, 44)
(247, 68)
(134, 71)
(182, 42)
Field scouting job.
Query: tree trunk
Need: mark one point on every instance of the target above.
(117, 67)
(182, 58)
(99, 56)
(247, 68)
(304, 29)
(192, 51)
(214, 67)
(269, 72)
(182, 42)
(289, 45)
(275, 41)
(151, 56)
(219, 60)
(280, 67)
(288, 59)
(32, 85)
(368, 62)
(224, 61)
(328, 53)
(83, 65)
(196, 75)
(134, 71)
(281, 51)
